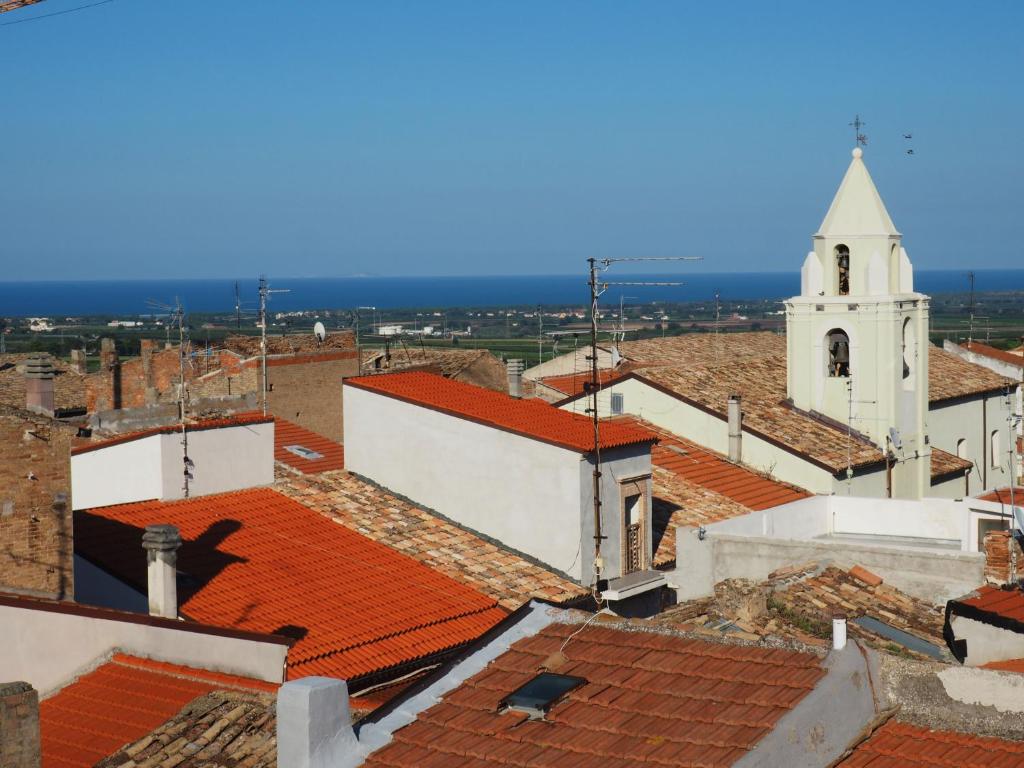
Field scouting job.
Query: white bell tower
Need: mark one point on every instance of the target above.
(857, 335)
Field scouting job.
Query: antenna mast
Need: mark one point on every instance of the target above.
(265, 291)
(970, 307)
(238, 308)
(593, 386)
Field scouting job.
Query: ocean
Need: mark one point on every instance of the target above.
(134, 297)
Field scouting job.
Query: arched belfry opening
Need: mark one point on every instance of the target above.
(843, 270)
(838, 353)
(909, 353)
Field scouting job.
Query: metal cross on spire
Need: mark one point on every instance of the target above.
(860, 139)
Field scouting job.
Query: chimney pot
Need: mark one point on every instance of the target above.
(735, 413)
(161, 543)
(838, 632)
(39, 375)
(515, 378)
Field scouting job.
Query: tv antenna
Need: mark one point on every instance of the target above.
(265, 292)
(177, 318)
(592, 387)
(970, 307)
(860, 139)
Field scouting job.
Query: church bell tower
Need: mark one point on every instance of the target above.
(857, 335)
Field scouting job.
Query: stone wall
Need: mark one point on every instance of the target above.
(36, 544)
(306, 389)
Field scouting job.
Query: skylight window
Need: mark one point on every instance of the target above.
(536, 697)
(303, 452)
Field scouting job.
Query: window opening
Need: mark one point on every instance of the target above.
(838, 353)
(961, 448)
(995, 444)
(843, 267)
(617, 404)
(634, 513)
(537, 696)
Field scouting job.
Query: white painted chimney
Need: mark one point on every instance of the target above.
(314, 725)
(735, 429)
(515, 377)
(838, 632)
(161, 543)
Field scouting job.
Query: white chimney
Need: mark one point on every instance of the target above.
(314, 725)
(161, 543)
(515, 377)
(838, 632)
(735, 429)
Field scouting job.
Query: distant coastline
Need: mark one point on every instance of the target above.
(130, 297)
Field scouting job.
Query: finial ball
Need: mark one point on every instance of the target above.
(857, 153)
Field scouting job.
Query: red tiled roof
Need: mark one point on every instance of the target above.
(648, 697)
(996, 354)
(901, 745)
(1007, 603)
(239, 420)
(713, 471)
(119, 702)
(572, 384)
(258, 560)
(1002, 496)
(1009, 665)
(288, 433)
(530, 418)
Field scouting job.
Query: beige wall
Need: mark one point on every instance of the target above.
(309, 394)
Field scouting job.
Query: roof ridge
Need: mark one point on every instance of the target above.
(195, 674)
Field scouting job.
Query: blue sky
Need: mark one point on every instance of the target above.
(149, 138)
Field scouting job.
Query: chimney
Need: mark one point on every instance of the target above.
(79, 362)
(39, 384)
(161, 543)
(19, 726)
(838, 632)
(735, 429)
(314, 725)
(109, 397)
(515, 377)
(146, 347)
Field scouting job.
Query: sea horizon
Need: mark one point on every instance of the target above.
(134, 297)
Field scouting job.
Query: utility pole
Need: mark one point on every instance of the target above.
(265, 291)
(179, 314)
(359, 354)
(540, 335)
(593, 386)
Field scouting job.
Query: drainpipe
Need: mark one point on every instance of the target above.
(161, 543)
(735, 429)
(984, 443)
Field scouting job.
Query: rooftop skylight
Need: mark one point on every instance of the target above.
(537, 696)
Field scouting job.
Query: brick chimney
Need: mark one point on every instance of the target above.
(39, 384)
(19, 726)
(79, 362)
(735, 429)
(146, 349)
(109, 395)
(161, 543)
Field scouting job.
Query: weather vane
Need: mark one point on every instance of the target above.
(859, 138)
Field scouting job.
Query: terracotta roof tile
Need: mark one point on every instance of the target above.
(648, 697)
(949, 377)
(192, 426)
(261, 561)
(1005, 602)
(944, 463)
(1009, 665)
(450, 362)
(1013, 357)
(120, 702)
(462, 555)
(1002, 496)
(572, 384)
(901, 745)
(287, 433)
(249, 346)
(530, 418)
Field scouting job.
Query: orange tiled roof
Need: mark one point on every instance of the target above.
(1013, 358)
(901, 745)
(238, 420)
(287, 433)
(119, 702)
(572, 384)
(1002, 496)
(529, 418)
(1007, 603)
(259, 560)
(648, 697)
(1008, 665)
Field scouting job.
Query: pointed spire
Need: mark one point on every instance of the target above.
(857, 209)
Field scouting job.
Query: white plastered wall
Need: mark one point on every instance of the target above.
(521, 492)
(974, 420)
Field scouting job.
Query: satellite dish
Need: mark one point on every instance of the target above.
(320, 332)
(894, 438)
